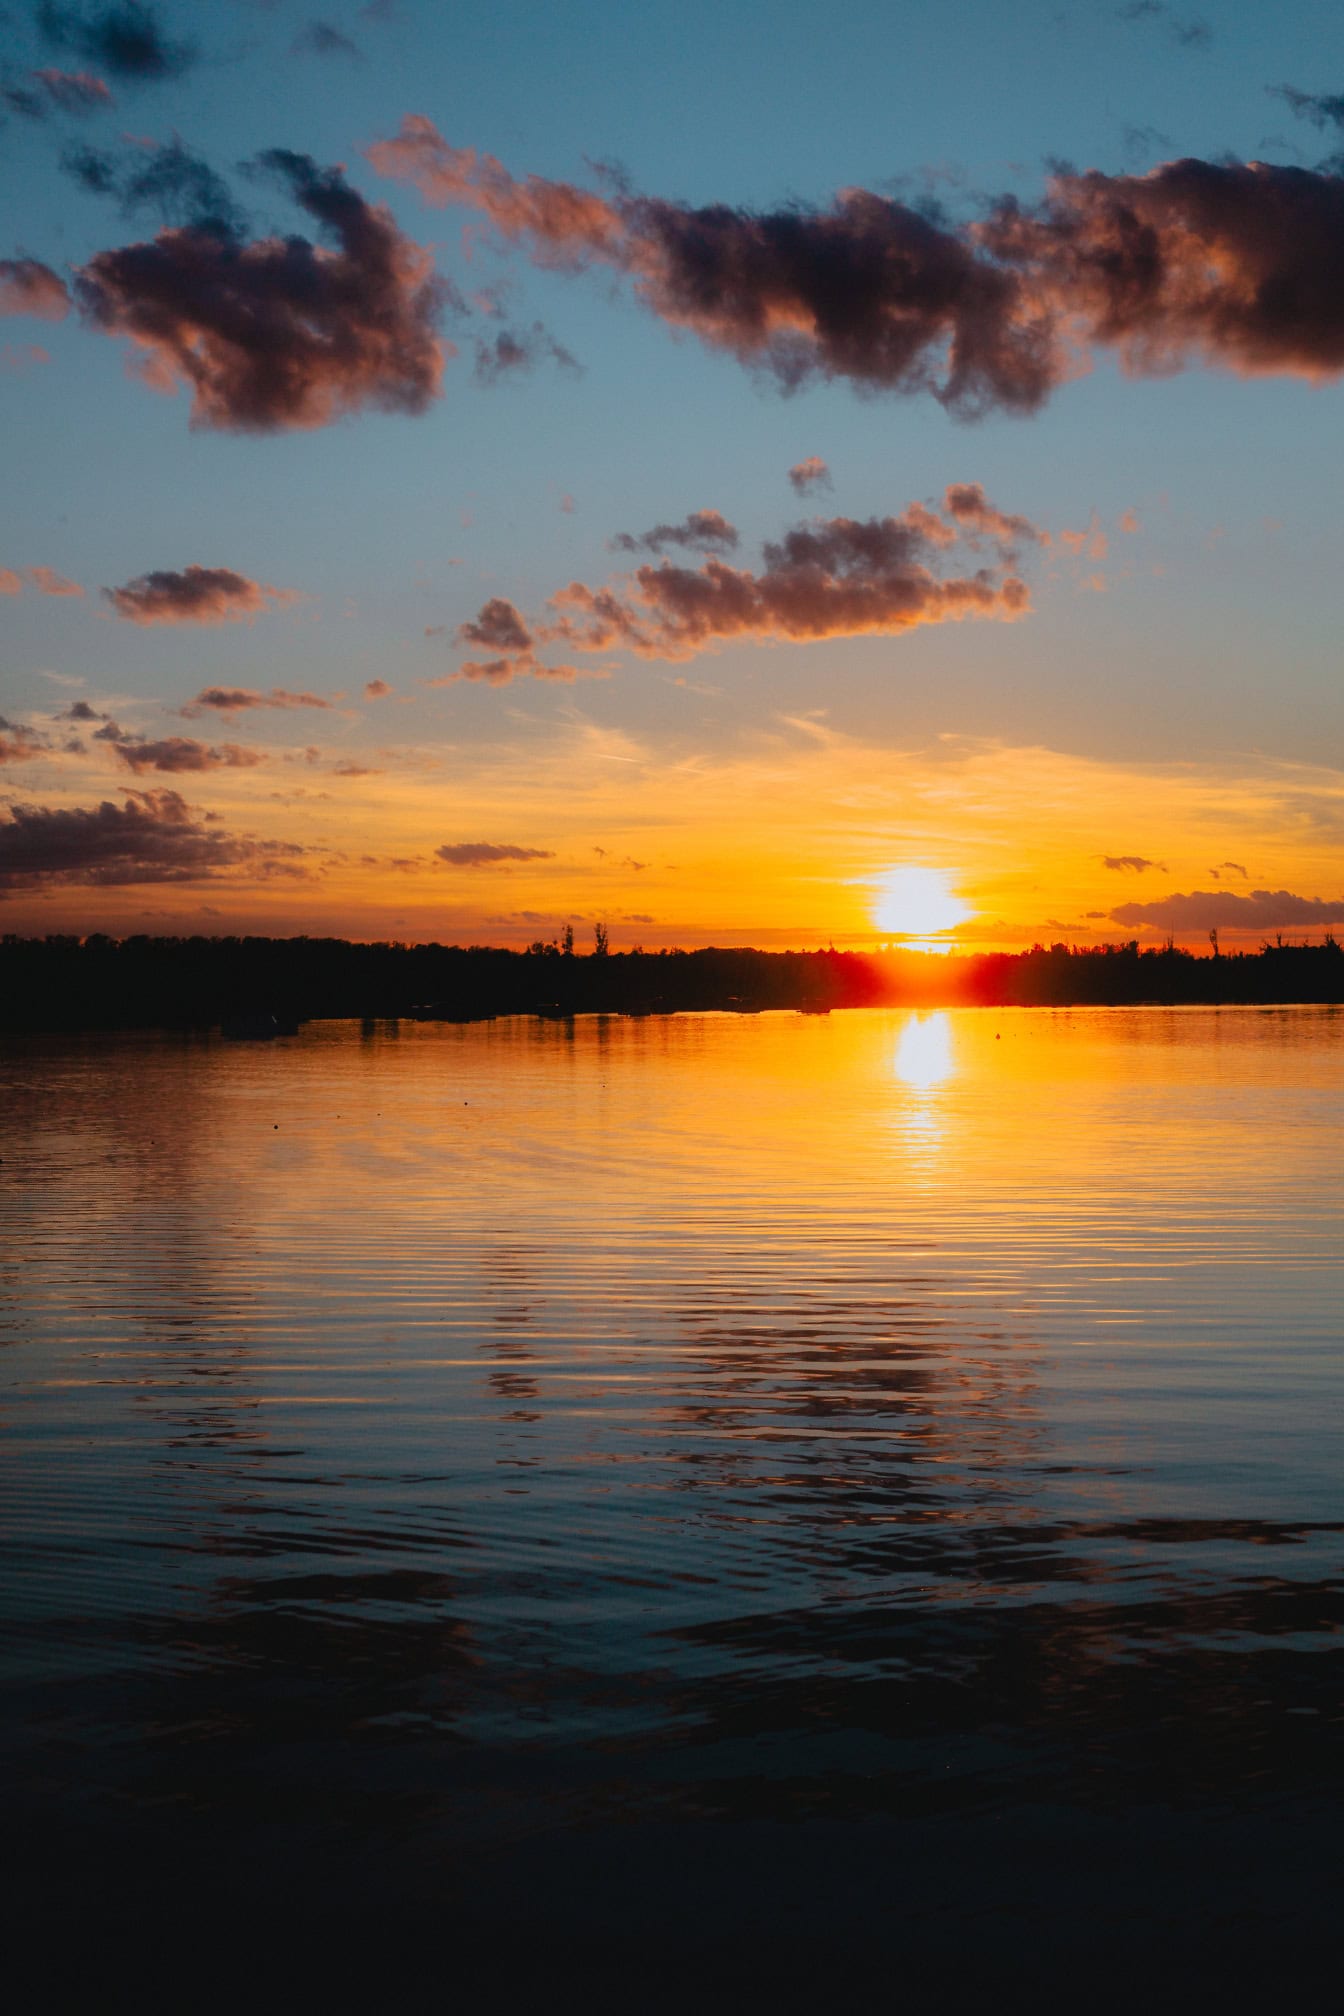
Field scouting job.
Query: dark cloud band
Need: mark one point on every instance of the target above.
(1219, 909)
(488, 853)
(1239, 265)
(153, 837)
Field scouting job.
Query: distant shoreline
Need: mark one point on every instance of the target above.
(68, 984)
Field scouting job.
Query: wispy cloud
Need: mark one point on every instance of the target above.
(27, 287)
(488, 853)
(513, 352)
(319, 38)
(126, 37)
(44, 579)
(237, 699)
(703, 531)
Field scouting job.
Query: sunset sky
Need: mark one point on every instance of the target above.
(475, 469)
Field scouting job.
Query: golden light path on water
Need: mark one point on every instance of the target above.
(924, 1055)
(529, 1472)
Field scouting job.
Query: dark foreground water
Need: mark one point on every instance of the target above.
(732, 1508)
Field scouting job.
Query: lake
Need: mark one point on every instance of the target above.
(727, 1499)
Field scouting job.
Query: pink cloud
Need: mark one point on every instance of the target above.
(196, 595)
(27, 287)
(810, 474)
(48, 582)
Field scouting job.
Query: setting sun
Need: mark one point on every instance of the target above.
(917, 903)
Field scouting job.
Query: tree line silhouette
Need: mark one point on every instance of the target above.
(98, 982)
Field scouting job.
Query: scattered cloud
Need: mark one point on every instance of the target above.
(175, 753)
(279, 333)
(829, 577)
(1090, 543)
(27, 287)
(178, 187)
(125, 37)
(498, 627)
(24, 100)
(22, 356)
(49, 90)
(319, 38)
(196, 595)
(511, 351)
(978, 519)
(45, 579)
(1322, 108)
(1133, 864)
(706, 531)
(75, 90)
(235, 699)
(376, 689)
(1142, 142)
(153, 837)
(19, 743)
(525, 664)
(810, 474)
(487, 853)
(1208, 909)
(1188, 31)
(1235, 867)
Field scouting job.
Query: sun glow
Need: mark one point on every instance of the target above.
(917, 903)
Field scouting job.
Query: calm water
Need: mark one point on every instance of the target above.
(768, 1492)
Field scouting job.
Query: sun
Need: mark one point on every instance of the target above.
(917, 903)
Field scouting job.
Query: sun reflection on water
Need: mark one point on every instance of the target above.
(924, 1055)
